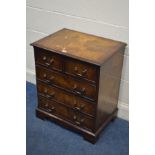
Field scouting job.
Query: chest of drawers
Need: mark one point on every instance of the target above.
(78, 78)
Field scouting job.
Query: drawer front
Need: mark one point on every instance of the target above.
(81, 69)
(68, 99)
(65, 113)
(79, 87)
(48, 59)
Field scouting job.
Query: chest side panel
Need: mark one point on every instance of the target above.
(109, 84)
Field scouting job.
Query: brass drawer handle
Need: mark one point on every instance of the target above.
(77, 108)
(45, 90)
(83, 90)
(81, 107)
(75, 69)
(45, 75)
(52, 109)
(44, 58)
(80, 92)
(84, 71)
(74, 87)
(75, 102)
(48, 80)
(52, 78)
(74, 117)
(45, 78)
(46, 105)
(50, 62)
(78, 74)
(51, 95)
(48, 95)
(82, 120)
(47, 64)
(79, 122)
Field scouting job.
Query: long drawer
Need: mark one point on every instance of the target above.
(66, 113)
(66, 98)
(77, 86)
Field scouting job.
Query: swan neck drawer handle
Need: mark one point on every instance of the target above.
(50, 62)
(80, 74)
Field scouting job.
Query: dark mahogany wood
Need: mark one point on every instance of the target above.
(49, 60)
(64, 81)
(66, 113)
(78, 79)
(81, 69)
(66, 98)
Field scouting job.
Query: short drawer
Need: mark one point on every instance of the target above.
(81, 69)
(66, 98)
(79, 87)
(66, 113)
(48, 59)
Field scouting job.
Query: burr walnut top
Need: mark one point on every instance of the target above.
(82, 46)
